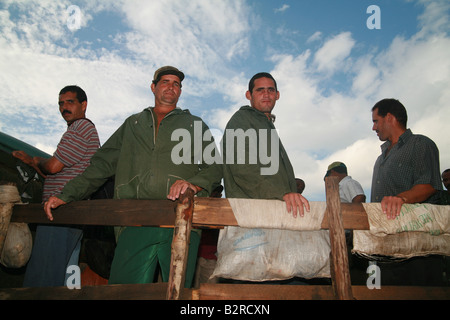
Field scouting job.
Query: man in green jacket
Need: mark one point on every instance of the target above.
(256, 165)
(140, 154)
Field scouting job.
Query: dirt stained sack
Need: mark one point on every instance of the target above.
(272, 254)
(17, 247)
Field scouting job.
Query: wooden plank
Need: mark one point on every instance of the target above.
(213, 213)
(217, 213)
(107, 212)
(354, 217)
(180, 245)
(150, 291)
(339, 266)
(208, 212)
(315, 292)
(158, 291)
(401, 293)
(238, 292)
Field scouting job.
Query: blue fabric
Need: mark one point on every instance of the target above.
(53, 249)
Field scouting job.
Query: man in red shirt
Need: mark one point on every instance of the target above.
(56, 247)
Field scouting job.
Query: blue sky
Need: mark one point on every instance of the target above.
(330, 68)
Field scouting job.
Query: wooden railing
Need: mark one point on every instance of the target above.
(194, 212)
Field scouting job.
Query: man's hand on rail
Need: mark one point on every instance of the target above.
(296, 203)
(52, 203)
(391, 206)
(179, 188)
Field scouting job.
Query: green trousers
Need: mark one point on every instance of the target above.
(140, 249)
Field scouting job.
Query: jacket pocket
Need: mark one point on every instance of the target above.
(128, 190)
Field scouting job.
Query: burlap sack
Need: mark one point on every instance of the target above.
(424, 217)
(15, 238)
(272, 214)
(268, 245)
(272, 254)
(9, 194)
(420, 230)
(403, 245)
(17, 247)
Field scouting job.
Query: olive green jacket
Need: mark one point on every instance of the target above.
(141, 161)
(246, 180)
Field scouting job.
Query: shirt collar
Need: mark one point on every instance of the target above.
(272, 116)
(401, 140)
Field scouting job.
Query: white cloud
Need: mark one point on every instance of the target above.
(333, 53)
(207, 40)
(435, 18)
(367, 78)
(318, 129)
(315, 37)
(283, 8)
(168, 28)
(39, 55)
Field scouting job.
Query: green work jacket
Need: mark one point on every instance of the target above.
(245, 180)
(143, 161)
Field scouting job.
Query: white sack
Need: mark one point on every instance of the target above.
(272, 254)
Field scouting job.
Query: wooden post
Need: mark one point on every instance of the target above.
(180, 245)
(339, 267)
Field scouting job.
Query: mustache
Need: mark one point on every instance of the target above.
(66, 111)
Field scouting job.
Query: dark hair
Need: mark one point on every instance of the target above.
(251, 84)
(445, 171)
(393, 107)
(81, 95)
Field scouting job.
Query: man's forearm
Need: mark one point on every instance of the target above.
(49, 165)
(417, 194)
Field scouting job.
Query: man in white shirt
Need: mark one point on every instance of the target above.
(350, 190)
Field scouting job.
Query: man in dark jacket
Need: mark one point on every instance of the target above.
(260, 168)
(140, 155)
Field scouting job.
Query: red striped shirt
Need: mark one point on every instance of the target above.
(78, 144)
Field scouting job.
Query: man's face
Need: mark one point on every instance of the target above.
(70, 108)
(446, 180)
(264, 95)
(380, 125)
(167, 90)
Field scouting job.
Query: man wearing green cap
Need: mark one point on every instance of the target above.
(350, 190)
(139, 154)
